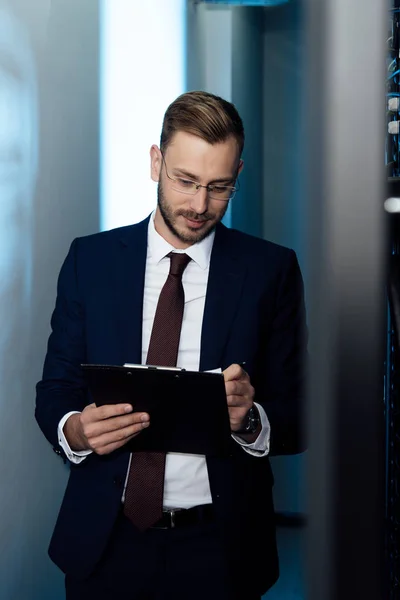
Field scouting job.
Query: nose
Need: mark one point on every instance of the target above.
(199, 202)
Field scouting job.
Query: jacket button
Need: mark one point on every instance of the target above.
(60, 454)
(118, 481)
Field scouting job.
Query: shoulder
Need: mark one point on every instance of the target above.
(98, 252)
(105, 241)
(119, 234)
(256, 249)
(267, 263)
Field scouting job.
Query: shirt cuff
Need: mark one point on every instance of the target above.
(261, 445)
(74, 456)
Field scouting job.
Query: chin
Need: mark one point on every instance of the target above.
(195, 234)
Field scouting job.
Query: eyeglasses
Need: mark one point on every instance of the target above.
(188, 186)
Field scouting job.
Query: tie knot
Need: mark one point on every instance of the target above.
(179, 263)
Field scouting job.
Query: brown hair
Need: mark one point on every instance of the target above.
(205, 115)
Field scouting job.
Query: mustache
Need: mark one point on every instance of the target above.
(195, 217)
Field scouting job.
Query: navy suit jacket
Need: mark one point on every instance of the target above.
(254, 312)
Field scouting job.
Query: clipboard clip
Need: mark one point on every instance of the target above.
(153, 367)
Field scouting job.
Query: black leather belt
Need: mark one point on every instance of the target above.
(182, 517)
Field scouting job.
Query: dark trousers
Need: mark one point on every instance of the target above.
(185, 563)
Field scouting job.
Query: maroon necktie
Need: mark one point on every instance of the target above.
(145, 489)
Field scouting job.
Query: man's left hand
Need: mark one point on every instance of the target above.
(239, 393)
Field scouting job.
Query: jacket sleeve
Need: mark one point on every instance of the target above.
(282, 377)
(62, 389)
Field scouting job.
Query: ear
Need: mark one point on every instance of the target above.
(241, 165)
(155, 162)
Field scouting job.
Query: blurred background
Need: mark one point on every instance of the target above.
(83, 88)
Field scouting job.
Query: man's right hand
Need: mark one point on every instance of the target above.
(105, 428)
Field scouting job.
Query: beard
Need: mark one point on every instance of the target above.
(188, 235)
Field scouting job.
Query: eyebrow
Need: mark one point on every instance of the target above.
(195, 177)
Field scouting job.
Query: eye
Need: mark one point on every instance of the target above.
(220, 189)
(186, 182)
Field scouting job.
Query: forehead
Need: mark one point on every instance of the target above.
(194, 155)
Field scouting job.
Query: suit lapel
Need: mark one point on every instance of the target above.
(129, 285)
(224, 289)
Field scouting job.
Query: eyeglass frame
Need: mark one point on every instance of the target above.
(209, 187)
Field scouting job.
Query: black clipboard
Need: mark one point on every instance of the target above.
(188, 409)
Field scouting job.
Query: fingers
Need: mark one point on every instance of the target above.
(236, 417)
(234, 372)
(96, 428)
(235, 402)
(238, 388)
(107, 449)
(239, 395)
(99, 413)
(108, 427)
(106, 443)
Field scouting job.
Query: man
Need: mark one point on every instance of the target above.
(195, 526)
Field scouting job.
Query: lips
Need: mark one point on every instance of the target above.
(195, 224)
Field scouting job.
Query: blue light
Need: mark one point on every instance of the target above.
(246, 2)
(142, 71)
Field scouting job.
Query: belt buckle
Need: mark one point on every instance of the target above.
(171, 524)
(172, 518)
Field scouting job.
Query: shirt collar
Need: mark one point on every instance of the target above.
(158, 247)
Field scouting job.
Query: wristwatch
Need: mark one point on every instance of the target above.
(251, 423)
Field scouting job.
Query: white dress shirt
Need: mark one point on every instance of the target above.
(186, 476)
